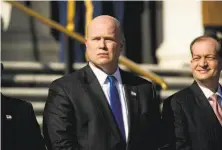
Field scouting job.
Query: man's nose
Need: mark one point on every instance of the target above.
(102, 43)
(203, 62)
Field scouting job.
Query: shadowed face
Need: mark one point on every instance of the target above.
(205, 63)
(104, 44)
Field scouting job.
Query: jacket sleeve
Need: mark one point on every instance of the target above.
(59, 121)
(168, 125)
(157, 119)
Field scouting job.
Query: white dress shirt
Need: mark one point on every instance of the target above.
(208, 93)
(103, 81)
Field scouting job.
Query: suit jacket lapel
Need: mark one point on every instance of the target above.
(132, 102)
(206, 109)
(8, 124)
(95, 91)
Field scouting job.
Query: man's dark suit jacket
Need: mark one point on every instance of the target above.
(19, 128)
(191, 122)
(77, 114)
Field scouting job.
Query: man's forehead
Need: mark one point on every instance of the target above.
(203, 45)
(104, 27)
(102, 33)
(201, 52)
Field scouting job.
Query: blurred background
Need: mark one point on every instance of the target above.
(42, 41)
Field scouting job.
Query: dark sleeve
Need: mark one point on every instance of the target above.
(176, 124)
(168, 125)
(153, 106)
(33, 139)
(58, 120)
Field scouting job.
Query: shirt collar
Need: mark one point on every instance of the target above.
(102, 76)
(208, 93)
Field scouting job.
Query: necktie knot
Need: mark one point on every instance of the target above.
(111, 79)
(214, 97)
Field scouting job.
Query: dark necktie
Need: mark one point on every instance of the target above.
(116, 104)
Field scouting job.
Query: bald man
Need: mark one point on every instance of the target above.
(101, 107)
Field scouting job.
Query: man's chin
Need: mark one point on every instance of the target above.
(203, 79)
(104, 61)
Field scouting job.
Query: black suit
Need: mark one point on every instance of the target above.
(77, 114)
(19, 128)
(190, 121)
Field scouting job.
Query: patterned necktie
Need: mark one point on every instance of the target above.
(116, 105)
(216, 107)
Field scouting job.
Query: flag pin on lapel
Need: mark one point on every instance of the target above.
(133, 93)
(8, 117)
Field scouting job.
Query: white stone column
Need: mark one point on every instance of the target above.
(5, 14)
(182, 22)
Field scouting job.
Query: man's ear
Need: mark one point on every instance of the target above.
(86, 43)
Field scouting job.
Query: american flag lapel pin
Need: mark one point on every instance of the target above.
(133, 93)
(8, 117)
